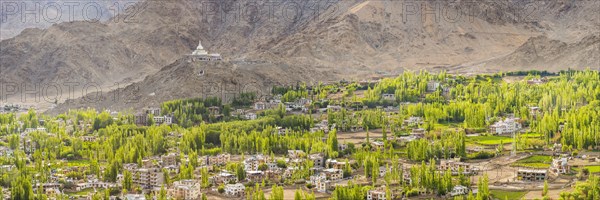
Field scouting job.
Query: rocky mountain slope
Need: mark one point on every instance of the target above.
(18, 16)
(307, 41)
(182, 79)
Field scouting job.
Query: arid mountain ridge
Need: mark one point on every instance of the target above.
(342, 39)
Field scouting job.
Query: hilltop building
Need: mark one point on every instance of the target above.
(202, 55)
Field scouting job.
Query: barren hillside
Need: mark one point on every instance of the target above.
(289, 41)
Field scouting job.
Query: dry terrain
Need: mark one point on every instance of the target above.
(354, 39)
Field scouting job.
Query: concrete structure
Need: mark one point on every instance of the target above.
(135, 197)
(141, 119)
(335, 164)
(333, 174)
(320, 182)
(93, 183)
(560, 166)
(432, 86)
(88, 138)
(459, 190)
(318, 159)
(168, 160)
(158, 120)
(225, 178)
(218, 160)
(532, 175)
(202, 55)
(377, 145)
(413, 121)
(260, 105)
(234, 189)
(250, 116)
(508, 126)
(455, 165)
(148, 177)
(186, 190)
(294, 154)
(153, 111)
(255, 176)
(377, 194)
(418, 133)
(251, 163)
(388, 97)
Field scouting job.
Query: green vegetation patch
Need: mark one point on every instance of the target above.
(537, 161)
(490, 140)
(503, 194)
(592, 169)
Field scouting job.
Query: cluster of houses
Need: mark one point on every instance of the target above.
(302, 104)
(10, 108)
(507, 126)
(142, 118)
(558, 166)
(455, 166)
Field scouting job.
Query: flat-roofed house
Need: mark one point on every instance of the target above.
(532, 175)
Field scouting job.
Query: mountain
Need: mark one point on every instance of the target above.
(542, 53)
(18, 16)
(307, 41)
(184, 79)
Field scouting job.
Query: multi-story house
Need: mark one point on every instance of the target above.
(235, 189)
(186, 190)
(148, 177)
(532, 175)
(508, 126)
(169, 159)
(560, 166)
(377, 194)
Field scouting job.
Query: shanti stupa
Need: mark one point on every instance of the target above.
(203, 55)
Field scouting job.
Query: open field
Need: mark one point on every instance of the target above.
(592, 169)
(537, 161)
(358, 137)
(502, 194)
(490, 140)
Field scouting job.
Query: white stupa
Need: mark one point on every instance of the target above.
(200, 50)
(202, 55)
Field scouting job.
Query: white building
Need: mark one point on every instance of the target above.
(560, 166)
(318, 159)
(251, 163)
(260, 105)
(294, 154)
(158, 120)
(376, 194)
(250, 116)
(459, 190)
(185, 189)
(508, 126)
(432, 86)
(333, 174)
(202, 55)
(94, 183)
(225, 177)
(148, 177)
(389, 97)
(413, 121)
(135, 197)
(234, 189)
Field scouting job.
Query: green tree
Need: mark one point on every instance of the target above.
(276, 193)
(545, 191)
(127, 180)
(162, 195)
